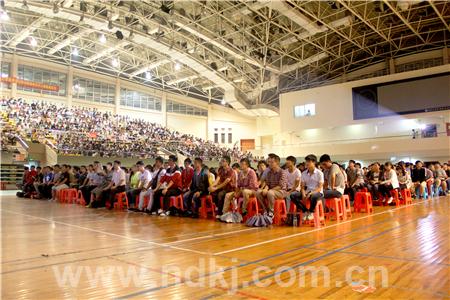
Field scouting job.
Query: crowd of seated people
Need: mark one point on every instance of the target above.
(150, 187)
(89, 132)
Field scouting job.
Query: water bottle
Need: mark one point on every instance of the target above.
(295, 221)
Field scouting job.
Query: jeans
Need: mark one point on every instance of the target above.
(131, 195)
(296, 198)
(189, 199)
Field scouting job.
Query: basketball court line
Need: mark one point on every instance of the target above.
(108, 233)
(317, 229)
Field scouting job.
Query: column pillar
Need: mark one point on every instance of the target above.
(69, 87)
(445, 55)
(391, 65)
(164, 109)
(14, 71)
(117, 96)
(209, 125)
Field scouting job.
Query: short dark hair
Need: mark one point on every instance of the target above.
(140, 163)
(227, 158)
(56, 166)
(271, 155)
(418, 161)
(96, 162)
(351, 161)
(291, 159)
(173, 158)
(311, 157)
(246, 160)
(109, 163)
(188, 160)
(198, 159)
(276, 157)
(324, 158)
(160, 159)
(235, 165)
(117, 162)
(262, 162)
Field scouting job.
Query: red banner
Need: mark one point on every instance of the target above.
(30, 84)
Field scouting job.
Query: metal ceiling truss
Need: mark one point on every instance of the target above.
(259, 48)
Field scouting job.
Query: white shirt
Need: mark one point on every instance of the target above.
(312, 181)
(392, 178)
(161, 174)
(117, 176)
(145, 177)
(291, 177)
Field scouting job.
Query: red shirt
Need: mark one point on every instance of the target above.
(224, 174)
(173, 175)
(186, 177)
(29, 176)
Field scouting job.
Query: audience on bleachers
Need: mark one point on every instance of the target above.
(89, 132)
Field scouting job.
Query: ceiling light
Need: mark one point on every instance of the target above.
(55, 8)
(192, 50)
(177, 66)
(76, 87)
(115, 62)
(4, 16)
(33, 42)
(75, 52)
(25, 5)
(102, 38)
(237, 80)
(148, 75)
(110, 24)
(223, 102)
(224, 68)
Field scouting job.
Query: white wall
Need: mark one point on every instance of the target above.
(187, 124)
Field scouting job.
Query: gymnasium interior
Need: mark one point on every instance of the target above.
(225, 149)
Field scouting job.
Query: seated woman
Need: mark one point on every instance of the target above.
(404, 179)
(389, 183)
(440, 179)
(373, 180)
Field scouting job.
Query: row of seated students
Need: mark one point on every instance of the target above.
(314, 179)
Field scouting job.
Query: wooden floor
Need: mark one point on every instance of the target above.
(41, 240)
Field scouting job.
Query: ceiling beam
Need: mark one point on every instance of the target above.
(399, 15)
(69, 40)
(149, 67)
(104, 52)
(24, 33)
(439, 14)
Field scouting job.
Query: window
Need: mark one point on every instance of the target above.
(92, 90)
(230, 138)
(185, 109)
(222, 138)
(216, 138)
(5, 72)
(139, 100)
(304, 110)
(41, 76)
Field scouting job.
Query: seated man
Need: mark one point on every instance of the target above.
(170, 185)
(225, 183)
(39, 179)
(63, 181)
(153, 185)
(247, 184)
(334, 180)
(186, 175)
(312, 188)
(355, 178)
(144, 179)
(198, 188)
(43, 188)
(418, 177)
(116, 186)
(293, 177)
(275, 184)
(93, 179)
(429, 176)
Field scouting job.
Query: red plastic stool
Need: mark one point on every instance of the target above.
(280, 212)
(252, 207)
(177, 201)
(319, 216)
(207, 206)
(71, 195)
(347, 206)
(363, 201)
(120, 203)
(394, 194)
(337, 209)
(80, 198)
(406, 195)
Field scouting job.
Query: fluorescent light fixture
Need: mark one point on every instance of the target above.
(115, 62)
(222, 68)
(33, 42)
(175, 81)
(75, 52)
(177, 66)
(223, 102)
(148, 75)
(237, 80)
(102, 38)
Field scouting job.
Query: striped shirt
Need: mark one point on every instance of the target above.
(274, 178)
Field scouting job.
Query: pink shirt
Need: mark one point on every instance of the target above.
(248, 181)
